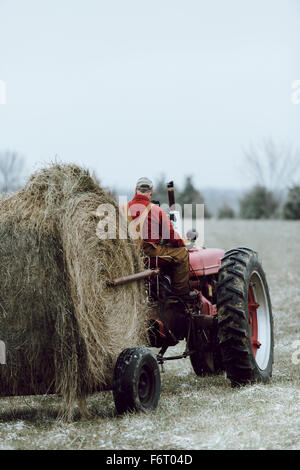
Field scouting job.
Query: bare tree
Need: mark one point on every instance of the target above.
(11, 171)
(272, 166)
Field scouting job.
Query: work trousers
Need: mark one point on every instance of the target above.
(178, 260)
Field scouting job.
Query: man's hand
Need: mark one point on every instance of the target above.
(188, 243)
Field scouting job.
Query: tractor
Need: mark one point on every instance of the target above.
(227, 328)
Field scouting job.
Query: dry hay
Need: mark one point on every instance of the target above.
(63, 327)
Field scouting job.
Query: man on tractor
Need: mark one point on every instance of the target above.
(158, 237)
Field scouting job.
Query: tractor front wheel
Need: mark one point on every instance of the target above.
(245, 322)
(205, 359)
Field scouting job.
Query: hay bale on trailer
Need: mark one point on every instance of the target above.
(62, 326)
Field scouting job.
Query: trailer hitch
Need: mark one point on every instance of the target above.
(133, 277)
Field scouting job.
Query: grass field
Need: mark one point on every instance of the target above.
(194, 413)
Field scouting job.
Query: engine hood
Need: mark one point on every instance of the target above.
(204, 261)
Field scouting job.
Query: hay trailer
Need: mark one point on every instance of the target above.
(63, 326)
(227, 327)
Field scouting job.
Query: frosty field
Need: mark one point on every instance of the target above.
(194, 413)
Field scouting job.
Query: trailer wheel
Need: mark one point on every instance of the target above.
(245, 322)
(136, 381)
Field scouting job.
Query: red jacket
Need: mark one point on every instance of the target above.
(157, 226)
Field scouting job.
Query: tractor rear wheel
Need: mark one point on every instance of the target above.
(136, 381)
(245, 322)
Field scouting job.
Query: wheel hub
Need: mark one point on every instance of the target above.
(145, 386)
(252, 321)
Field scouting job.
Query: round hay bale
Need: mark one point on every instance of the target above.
(62, 325)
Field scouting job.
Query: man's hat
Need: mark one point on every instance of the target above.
(144, 184)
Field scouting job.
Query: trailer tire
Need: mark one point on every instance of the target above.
(136, 381)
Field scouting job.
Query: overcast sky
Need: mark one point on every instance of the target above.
(139, 87)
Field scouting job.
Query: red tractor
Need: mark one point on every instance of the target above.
(228, 327)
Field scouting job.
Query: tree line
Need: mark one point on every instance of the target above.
(261, 203)
(275, 192)
(272, 169)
